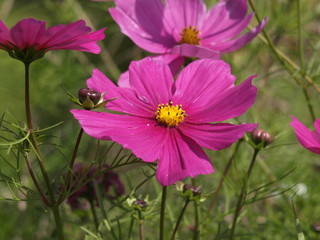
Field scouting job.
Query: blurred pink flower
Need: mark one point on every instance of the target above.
(29, 39)
(110, 183)
(185, 27)
(169, 120)
(308, 139)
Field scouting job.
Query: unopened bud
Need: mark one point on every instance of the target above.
(139, 204)
(195, 191)
(93, 95)
(260, 135)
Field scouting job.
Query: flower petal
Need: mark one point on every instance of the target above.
(197, 51)
(142, 21)
(86, 43)
(183, 14)
(126, 100)
(200, 82)
(308, 139)
(225, 20)
(143, 136)
(237, 43)
(227, 104)
(181, 157)
(5, 36)
(172, 60)
(27, 32)
(216, 136)
(152, 81)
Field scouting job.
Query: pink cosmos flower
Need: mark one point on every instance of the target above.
(169, 120)
(29, 38)
(185, 27)
(308, 139)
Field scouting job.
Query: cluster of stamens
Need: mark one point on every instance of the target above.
(170, 115)
(190, 35)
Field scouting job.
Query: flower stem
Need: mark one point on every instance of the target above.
(197, 231)
(57, 219)
(27, 96)
(70, 169)
(179, 219)
(242, 195)
(141, 228)
(35, 146)
(162, 212)
(94, 215)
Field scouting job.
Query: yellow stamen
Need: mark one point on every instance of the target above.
(170, 115)
(190, 35)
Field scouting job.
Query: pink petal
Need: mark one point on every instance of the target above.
(198, 85)
(308, 139)
(216, 35)
(28, 32)
(197, 51)
(123, 80)
(216, 136)
(225, 17)
(227, 104)
(86, 43)
(63, 34)
(142, 21)
(174, 61)
(5, 37)
(152, 81)
(183, 14)
(126, 101)
(181, 157)
(237, 43)
(143, 136)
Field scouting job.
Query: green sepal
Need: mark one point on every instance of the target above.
(104, 103)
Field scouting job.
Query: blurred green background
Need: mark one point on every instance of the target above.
(279, 97)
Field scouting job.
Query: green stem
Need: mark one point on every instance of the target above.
(197, 231)
(242, 195)
(300, 40)
(34, 144)
(34, 179)
(179, 220)
(57, 219)
(94, 215)
(284, 60)
(141, 229)
(162, 212)
(225, 173)
(311, 111)
(70, 170)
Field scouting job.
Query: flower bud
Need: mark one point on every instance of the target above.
(93, 95)
(194, 190)
(139, 204)
(261, 136)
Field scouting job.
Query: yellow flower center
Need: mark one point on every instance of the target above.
(190, 35)
(170, 115)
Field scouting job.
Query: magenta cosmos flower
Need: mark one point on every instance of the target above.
(169, 120)
(185, 27)
(29, 39)
(308, 139)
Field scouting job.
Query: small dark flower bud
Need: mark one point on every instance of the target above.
(195, 191)
(93, 95)
(259, 136)
(141, 203)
